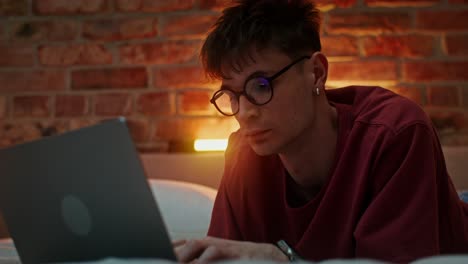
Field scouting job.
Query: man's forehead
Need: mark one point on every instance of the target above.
(258, 61)
(237, 66)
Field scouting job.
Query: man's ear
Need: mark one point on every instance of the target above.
(320, 64)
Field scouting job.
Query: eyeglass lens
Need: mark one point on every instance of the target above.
(257, 90)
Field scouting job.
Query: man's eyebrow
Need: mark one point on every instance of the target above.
(258, 73)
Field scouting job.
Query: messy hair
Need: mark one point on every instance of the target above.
(289, 26)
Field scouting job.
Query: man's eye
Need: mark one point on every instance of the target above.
(262, 86)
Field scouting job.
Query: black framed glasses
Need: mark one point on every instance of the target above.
(258, 90)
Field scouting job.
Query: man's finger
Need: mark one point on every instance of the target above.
(211, 254)
(190, 250)
(177, 243)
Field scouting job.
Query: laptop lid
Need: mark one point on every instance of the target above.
(82, 195)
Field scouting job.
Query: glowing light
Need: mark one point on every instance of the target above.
(210, 144)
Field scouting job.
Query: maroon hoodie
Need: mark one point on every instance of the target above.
(388, 195)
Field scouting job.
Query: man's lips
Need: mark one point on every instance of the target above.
(256, 132)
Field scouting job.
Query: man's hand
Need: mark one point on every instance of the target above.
(212, 249)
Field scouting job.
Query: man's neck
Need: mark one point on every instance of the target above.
(310, 161)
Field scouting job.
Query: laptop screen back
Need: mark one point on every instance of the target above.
(81, 196)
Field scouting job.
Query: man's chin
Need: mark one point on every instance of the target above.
(262, 150)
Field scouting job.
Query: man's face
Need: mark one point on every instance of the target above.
(282, 124)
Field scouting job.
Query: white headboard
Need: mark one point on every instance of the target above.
(207, 168)
(202, 168)
(456, 159)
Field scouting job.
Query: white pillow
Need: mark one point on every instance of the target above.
(185, 207)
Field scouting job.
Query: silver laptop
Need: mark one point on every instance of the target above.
(81, 196)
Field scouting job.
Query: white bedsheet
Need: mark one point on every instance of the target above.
(8, 255)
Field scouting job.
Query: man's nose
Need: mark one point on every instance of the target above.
(247, 110)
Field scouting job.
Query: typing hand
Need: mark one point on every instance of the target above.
(212, 249)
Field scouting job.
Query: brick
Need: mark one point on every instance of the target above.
(435, 71)
(119, 78)
(128, 5)
(443, 96)
(154, 6)
(183, 129)
(401, 3)
(442, 21)
(53, 30)
(464, 92)
(214, 4)
(182, 77)
(169, 52)
(3, 107)
(399, 46)
(195, 102)
(31, 106)
(17, 55)
(456, 45)
(50, 127)
(340, 46)
(362, 71)
(32, 80)
(193, 25)
(415, 94)
(13, 7)
(327, 5)
(139, 130)
(67, 55)
(13, 133)
(66, 7)
(155, 104)
(338, 3)
(120, 29)
(323, 5)
(368, 22)
(113, 104)
(17, 133)
(458, 1)
(70, 105)
(77, 123)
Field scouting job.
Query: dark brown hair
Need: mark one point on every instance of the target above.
(290, 26)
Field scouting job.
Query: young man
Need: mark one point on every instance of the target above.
(356, 172)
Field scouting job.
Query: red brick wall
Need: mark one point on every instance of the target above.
(66, 64)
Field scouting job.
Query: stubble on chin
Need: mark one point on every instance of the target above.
(262, 149)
